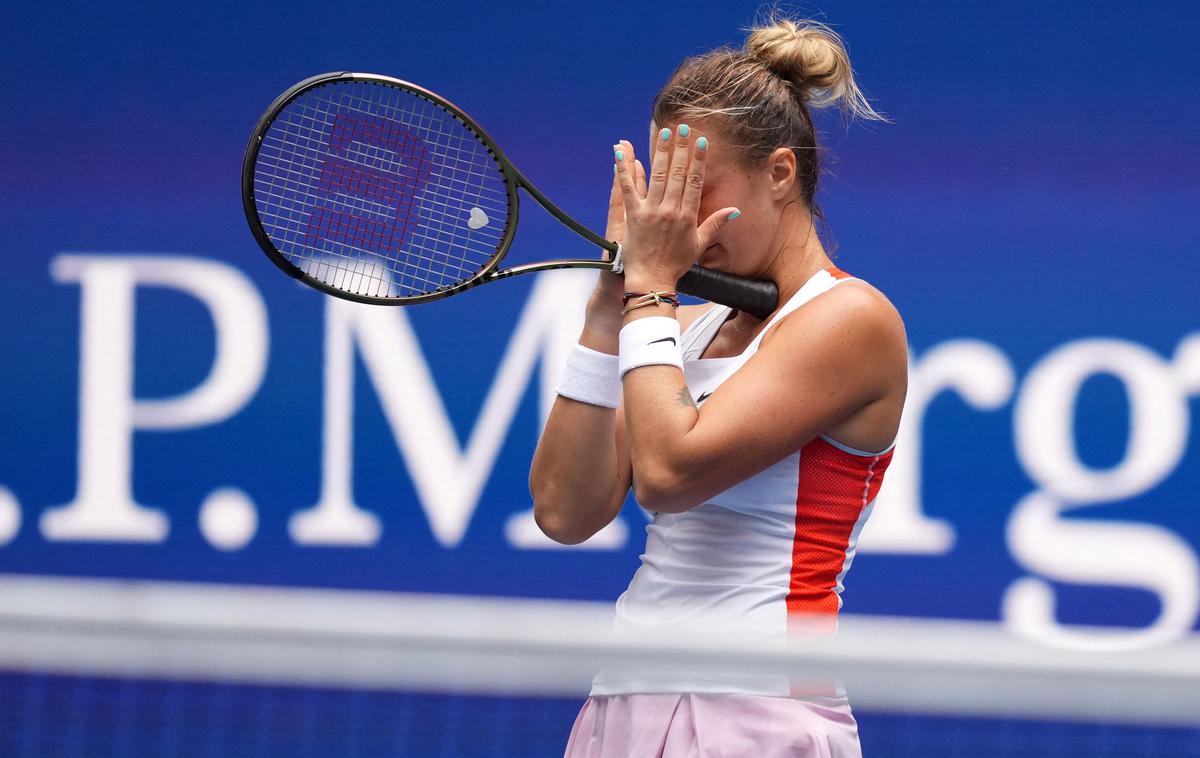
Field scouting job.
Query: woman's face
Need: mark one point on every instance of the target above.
(742, 246)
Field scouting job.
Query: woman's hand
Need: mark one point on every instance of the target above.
(606, 299)
(662, 237)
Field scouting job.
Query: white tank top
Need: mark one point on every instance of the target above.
(768, 549)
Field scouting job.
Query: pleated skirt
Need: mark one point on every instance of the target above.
(726, 725)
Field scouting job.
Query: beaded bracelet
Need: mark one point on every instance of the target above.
(641, 300)
(642, 304)
(671, 297)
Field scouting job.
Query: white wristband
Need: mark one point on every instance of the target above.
(591, 377)
(651, 341)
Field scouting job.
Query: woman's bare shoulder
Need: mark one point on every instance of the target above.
(887, 316)
(854, 304)
(868, 295)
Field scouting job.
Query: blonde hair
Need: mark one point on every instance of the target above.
(813, 57)
(761, 96)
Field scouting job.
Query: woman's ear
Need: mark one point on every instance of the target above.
(782, 165)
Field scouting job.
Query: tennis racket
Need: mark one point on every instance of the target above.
(376, 190)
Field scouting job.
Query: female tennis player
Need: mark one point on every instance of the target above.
(758, 445)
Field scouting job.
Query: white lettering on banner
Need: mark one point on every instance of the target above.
(1045, 416)
(983, 377)
(10, 515)
(1114, 553)
(228, 518)
(1044, 538)
(335, 519)
(1187, 363)
(448, 480)
(104, 508)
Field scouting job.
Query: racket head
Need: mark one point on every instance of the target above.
(373, 189)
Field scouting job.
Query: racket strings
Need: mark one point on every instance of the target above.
(427, 236)
(422, 280)
(378, 191)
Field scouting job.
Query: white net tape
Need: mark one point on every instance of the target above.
(378, 640)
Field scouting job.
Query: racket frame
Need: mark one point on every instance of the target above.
(513, 179)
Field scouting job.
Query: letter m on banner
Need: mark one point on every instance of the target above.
(448, 478)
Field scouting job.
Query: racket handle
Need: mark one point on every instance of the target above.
(754, 296)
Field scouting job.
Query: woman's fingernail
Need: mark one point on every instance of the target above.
(733, 215)
(620, 155)
(702, 143)
(665, 134)
(683, 130)
(614, 168)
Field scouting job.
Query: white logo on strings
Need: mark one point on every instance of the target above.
(478, 219)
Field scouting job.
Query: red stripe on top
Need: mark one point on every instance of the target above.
(837, 273)
(834, 488)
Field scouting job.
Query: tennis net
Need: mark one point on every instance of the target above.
(93, 667)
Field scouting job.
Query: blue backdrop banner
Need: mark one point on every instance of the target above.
(171, 407)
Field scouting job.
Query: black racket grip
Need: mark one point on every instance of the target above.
(754, 296)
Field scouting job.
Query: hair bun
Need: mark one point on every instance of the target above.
(811, 56)
(807, 53)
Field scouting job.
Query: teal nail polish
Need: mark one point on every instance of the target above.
(702, 143)
(620, 155)
(683, 130)
(614, 168)
(733, 215)
(664, 135)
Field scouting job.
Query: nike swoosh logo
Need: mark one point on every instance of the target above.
(664, 339)
(703, 396)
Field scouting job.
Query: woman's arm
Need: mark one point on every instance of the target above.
(581, 471)
(831, 358)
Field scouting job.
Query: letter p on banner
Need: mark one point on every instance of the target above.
(103, 508)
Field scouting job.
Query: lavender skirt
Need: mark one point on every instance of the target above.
(729, 726)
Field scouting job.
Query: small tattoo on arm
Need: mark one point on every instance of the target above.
(685, 397)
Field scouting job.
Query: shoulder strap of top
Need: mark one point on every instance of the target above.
(700, 332)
